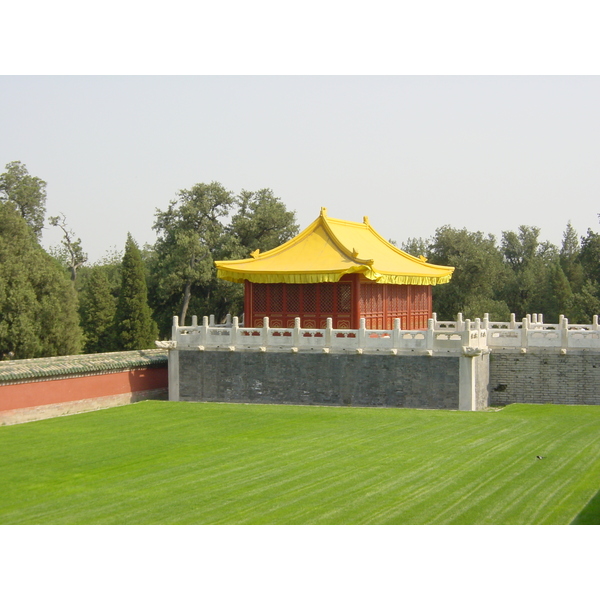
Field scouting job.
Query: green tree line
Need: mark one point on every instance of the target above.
(518, 274)
(56, 303)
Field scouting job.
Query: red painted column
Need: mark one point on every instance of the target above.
(355, 302)
(248, 303)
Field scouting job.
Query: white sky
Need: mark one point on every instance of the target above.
(413, 152)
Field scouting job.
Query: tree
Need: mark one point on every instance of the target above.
(586, 303)
(262, 222)
(417, 246)
(97, 308)
(590, 256)
(529, 260)
(188, 233)
(570, 258)
(479, 276)
(26, 193)
(192, 235)
(134, 326)
(72, 253)
(38, 305)
(558, 299)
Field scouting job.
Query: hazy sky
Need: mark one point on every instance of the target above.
(413, 153)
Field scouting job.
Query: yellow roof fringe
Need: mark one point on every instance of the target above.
(327, 250)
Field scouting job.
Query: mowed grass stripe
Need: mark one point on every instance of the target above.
(495, 468)
(159, 462)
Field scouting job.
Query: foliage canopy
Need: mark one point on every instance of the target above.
(38, 304)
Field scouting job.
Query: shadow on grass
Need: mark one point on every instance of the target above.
(590, 515)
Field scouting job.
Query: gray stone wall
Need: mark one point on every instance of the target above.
(326, 379)
(544, 377)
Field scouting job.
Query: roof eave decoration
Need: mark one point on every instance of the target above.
(319, 256)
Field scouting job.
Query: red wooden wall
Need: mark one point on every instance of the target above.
(345, 302)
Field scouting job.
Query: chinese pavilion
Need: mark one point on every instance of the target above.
(336, 269)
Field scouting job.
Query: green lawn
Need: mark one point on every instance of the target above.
(160, 462)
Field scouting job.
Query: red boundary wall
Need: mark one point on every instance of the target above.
(70, 389)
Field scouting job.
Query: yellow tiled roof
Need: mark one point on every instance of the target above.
(330, 248)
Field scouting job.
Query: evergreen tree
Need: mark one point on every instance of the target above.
(586, 303)
(590, 256)
(26, 193)
(97, 308)
(38, 305)
(570, 259)
(135, 328)
(558, 299)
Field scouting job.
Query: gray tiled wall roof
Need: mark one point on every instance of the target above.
(68, 366)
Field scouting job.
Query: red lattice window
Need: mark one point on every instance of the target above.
(326, 298)
(310, 298)
(344, 297)
(313, 302)
(260, 298)
(293, 298)
(277, 298)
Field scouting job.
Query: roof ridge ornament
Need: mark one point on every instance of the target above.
(366, 221)
(323, 211)
(255, 253)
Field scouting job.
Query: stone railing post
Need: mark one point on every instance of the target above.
(396, 334)
(265, 332)
(564, 334)
(211, 320)
(234, 332)
(296, 333)
(429, 336)
(513, 321)
(328, 332)
(204, 331)
(595, 323)
(460, 326)
(228, 320)
(466, 331)
(175, 328)
(525, 333)
(194, 321)
(362, 333)
(486, 321)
